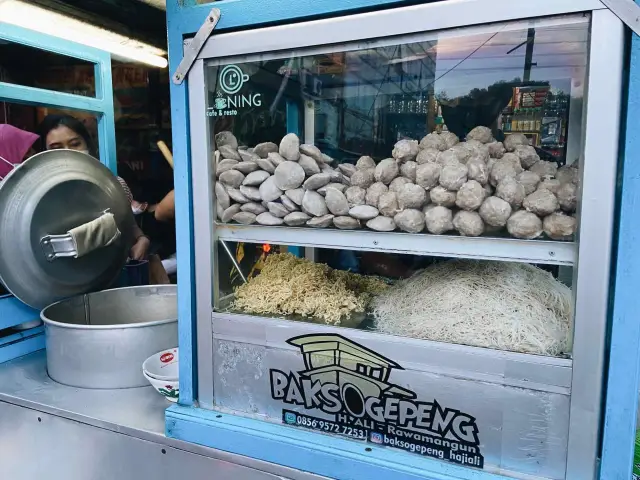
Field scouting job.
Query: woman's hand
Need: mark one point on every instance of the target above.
(165, 211)
(140, 248)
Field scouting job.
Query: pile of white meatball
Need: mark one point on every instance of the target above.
(439, 184)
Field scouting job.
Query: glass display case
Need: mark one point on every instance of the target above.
(408, 130)
(403, 238)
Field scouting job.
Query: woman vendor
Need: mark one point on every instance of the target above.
(158, 220)
(67, 132)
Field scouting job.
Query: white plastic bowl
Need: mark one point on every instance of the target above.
(163, 365)
(167, 388)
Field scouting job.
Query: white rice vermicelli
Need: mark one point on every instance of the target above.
(507, 306)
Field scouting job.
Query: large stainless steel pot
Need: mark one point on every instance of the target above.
(99, 340)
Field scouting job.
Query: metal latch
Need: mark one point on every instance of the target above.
(65, 245)
(627, 11)
(193, 49)
(58, 246)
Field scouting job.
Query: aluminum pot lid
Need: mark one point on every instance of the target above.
(41, 201)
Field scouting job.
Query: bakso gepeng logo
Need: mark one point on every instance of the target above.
(350, 385)
(232, 79)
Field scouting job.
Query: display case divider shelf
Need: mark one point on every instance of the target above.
(481, 248)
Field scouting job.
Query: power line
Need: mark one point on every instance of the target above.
(467, 57)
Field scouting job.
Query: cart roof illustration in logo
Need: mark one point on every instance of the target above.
(332, 358)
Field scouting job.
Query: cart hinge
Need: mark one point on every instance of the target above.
(627, 11)
(193, 49)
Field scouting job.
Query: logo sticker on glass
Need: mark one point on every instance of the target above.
(228, 101)
(345, 389)
(290, 418)
(232, 79)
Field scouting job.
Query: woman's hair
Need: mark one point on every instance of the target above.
(51, 122)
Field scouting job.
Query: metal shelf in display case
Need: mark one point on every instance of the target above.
(484, 248)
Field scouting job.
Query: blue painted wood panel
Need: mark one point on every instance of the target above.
(107, 119)
(13, 312)
(17, 336)
(624, 360)
(38, 97)
(250, 13)
(21, 343)
(184, 222)
(51, 44)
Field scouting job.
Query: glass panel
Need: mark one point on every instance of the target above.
(466, 132)
(398, 113)
(66, 134)
(500, 88)
(32, 67)
(515, 307)
(292, 369)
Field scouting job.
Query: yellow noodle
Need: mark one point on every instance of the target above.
(288, 285)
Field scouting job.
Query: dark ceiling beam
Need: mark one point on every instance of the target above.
(130, 18)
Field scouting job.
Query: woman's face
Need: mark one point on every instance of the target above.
(64, 137)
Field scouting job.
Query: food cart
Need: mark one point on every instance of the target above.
(358, 394)
(376, 80)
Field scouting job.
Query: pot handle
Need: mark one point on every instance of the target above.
(82, 240)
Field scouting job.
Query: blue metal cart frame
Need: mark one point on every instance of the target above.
(624, 357)
(339, 458)
(12, 311)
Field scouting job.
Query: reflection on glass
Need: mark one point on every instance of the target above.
(363, 101)
(490, 109)
(31, 67)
